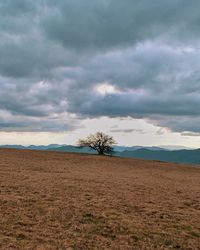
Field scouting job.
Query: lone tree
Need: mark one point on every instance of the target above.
(100, 142)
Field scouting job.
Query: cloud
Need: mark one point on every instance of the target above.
(51, 123)
(161, 85)
(140, 131)
(108, 24)
(190, 134)
(64, 59)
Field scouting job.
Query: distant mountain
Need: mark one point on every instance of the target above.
(175, 147)
(13, 146)
(179, 156)
(36, 147)
(46, 147)
(52, 147)
(73, 149)
(133, 148)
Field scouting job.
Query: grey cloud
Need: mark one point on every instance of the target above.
(165, 84)
(50, 123)
(54, 54)
(19, 7)
(140, 131)
(180, 124)
(190, 134)
(31, 58)
(108, 24)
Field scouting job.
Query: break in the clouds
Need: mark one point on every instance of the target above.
(64, 61)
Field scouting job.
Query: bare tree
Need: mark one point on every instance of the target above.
(100, 142)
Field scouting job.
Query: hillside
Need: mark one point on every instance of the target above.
(56, 200)
(191, 156)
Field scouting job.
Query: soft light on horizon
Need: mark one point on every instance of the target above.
(126, 131)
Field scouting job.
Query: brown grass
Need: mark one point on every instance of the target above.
(51, 200)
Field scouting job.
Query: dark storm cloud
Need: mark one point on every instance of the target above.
(99, 58)
(113, 23)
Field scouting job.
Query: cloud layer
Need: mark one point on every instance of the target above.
(62, 61)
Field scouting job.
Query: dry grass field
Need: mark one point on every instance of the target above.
(52, 200)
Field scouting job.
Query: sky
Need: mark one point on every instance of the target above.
(128, 68)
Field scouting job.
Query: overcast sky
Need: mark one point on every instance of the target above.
(126, 67)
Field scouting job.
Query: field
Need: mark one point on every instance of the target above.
(52, 200)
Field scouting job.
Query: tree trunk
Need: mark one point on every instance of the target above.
(101, 152)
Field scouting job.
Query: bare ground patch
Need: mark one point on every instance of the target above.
(51, 200)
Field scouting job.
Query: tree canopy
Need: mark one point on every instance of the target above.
(100, 142)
